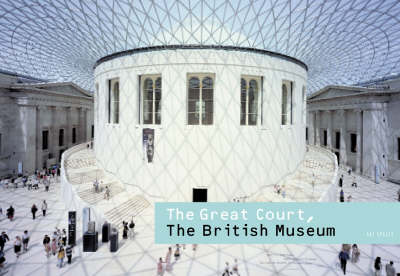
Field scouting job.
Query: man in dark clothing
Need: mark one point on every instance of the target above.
(341, 181)
(34, 210)
(341, 196)
(343, 257)
(3, 239)
(10, 213)
(68, 252)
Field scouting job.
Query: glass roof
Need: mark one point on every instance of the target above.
(341, 41)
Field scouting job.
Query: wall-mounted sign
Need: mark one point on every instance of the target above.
(72, 228)
(148, 144)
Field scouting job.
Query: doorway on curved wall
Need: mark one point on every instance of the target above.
(199, 195)
(338, 157)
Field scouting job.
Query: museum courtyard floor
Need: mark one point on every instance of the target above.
(138, 256)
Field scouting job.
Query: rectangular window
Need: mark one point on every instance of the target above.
(73, 135)
(337, 142)
(92, 132)
(200, 107)
(45, 139)
(398, 148)
(113, 101)
(151, 99)
(325, 137)
(353, 142)
(306, 133)
(287, 100)
(304, 105)
(61, 137)
(249, 100)
(96, 103)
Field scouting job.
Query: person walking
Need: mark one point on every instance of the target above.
(60, 257)
(46, 244)
(168, 259)
(378, 266)
(54, 247)
(2, 259)
(131, 229)
(107, 193)
(44, 207)
(25, 240)
(390, 270)
(68, 252)
(343, 257)
(235, 268)
(34, 210)
(3, 239)
(177, 253)
(17, 246)
(355, 253)
(64, 237)
(341, 181)
(125, 230)
(354, 182)
(10, 213)
(160, 269)
(341, 197)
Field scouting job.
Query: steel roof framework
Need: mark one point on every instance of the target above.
(341, 41)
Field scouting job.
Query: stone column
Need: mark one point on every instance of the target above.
(359, 134)
(329, 129)
(38, 134)
(317, 128)
(311, 138)
(343, 134)
(68, 131)
(53, 141)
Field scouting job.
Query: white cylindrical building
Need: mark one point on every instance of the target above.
(226, 121)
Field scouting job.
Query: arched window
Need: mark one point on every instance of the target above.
(113, 101)
(200, 100)
(284, 104)
(151, 94)
(249, 103)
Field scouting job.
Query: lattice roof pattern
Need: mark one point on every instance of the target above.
(341, 41)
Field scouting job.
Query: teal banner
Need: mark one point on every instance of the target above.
(277, 223)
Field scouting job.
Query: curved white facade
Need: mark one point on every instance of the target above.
(228, 159)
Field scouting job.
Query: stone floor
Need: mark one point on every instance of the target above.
(139, 256)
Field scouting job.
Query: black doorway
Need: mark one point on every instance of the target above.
(338, 157)
(199, 195)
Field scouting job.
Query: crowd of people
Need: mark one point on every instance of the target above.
(167, 265)
(353, 253)
(57, 246)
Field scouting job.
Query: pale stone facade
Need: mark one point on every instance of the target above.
(360, 125)
(31, 109)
